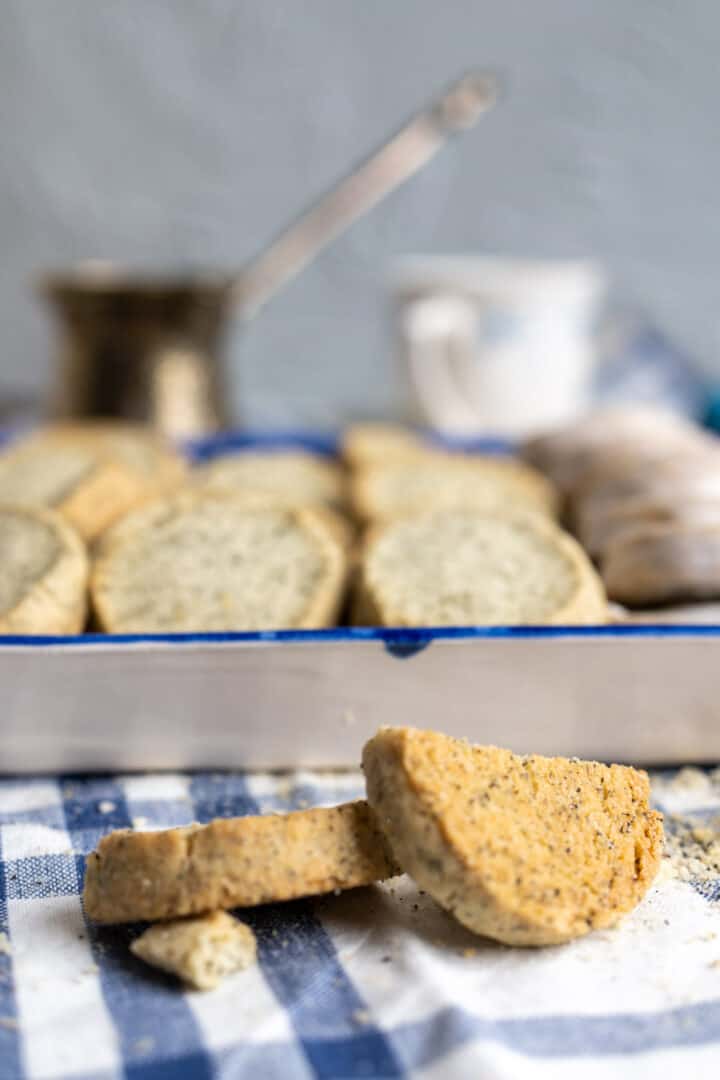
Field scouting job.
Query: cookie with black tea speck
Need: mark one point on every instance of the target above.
(525, 850)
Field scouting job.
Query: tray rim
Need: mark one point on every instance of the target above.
(388, 636)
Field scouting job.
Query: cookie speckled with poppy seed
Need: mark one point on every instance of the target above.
(473, 568)
(234, 862)
(391, 489)
(526, 850)
(290, 478)
(209, 561)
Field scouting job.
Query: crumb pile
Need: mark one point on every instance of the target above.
(692, 846)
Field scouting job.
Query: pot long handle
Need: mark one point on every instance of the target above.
(456, 110)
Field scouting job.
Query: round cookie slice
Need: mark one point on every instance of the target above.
(289, 478)
(204, 561)
(43, 584)
(380, 492)
(90, 473)
(525, 850)
(662, 563)
(469, 568)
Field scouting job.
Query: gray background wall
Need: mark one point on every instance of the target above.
(174, 130)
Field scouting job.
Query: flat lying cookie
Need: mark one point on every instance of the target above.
(395, 488)
(526, 850)
(43, 574)
(474, 568)
(200, 950)
(208, 561)
(234, 862)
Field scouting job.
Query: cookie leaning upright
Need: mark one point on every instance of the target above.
(526, 850)
(208, 561)
(376, 443)
(475, 568)
(90, 473)
(43, 574)
(286, 478)
(382, 491)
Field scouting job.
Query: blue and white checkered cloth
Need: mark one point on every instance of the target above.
(370, 983)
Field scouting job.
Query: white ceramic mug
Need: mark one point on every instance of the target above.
(497, 345)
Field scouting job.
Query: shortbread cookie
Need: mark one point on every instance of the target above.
(137, 447)
(567, 454)
(467, 568)
(234, 862)
(201, 950)
(526, 850)
(663, 563)
(399, 488)
(204, 561)
(91, 474)
(291, 478)
(600, 524)
(43, 584)
(376, 443)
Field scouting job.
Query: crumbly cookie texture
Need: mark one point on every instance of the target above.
(199, 560)
(201, 950)
(469, 567)
(526, 850)
(234, 862)
(288, 478)
(394, 488)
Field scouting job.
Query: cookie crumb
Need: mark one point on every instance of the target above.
(105, 806)
(693, 849)
(200, 950)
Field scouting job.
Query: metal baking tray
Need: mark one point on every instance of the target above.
(273, 700)
(644, 694)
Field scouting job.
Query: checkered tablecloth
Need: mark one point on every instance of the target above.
(374, 983)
